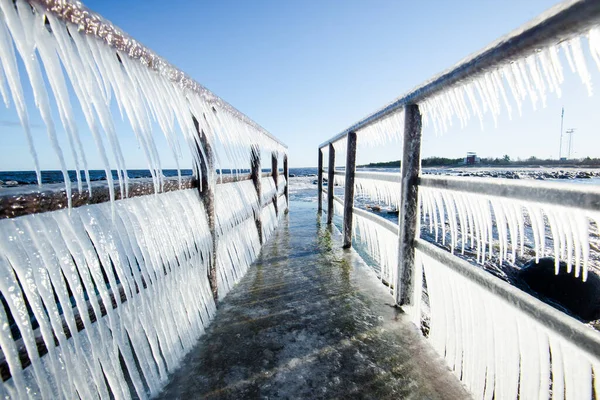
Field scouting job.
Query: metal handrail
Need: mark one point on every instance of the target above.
(95, 25)
(394, 177)
(569, 328)
(560, 194)
(382, 222)
(560, 23)
(563, 194)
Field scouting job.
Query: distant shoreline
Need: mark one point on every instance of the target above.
(505, 162)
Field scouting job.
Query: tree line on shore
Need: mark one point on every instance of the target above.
(501, 161)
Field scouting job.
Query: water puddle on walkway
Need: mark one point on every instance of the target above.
(310, 320)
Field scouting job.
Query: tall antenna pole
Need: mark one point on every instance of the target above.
(562, 117)
(570, 132)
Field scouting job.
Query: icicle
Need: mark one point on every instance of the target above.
(97, 76)
(268, 189)
(496, 349)
(381, 244)
(339, 180)
(385, 130)
(234, 203)
(378, 190)
(338, 207)
(58, 253)
(530, 76)
(477, 215)
(238, 248)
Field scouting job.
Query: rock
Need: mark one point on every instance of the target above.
(11, 183)
(580, 298)
(582, 175)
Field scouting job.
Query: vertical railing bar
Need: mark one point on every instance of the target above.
(207, 194)
(275, 172)
(349, 189)
(409, 203)
(320, 181)
(256, 176)
(286, 174)
(330, 184)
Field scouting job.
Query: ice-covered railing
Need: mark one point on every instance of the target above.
(500, 341)
(67, 48)
(105, 287)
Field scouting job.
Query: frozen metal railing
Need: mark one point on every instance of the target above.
(567, 327)
(95, 25)
(560, 23)
(573, 196)
(170, 248)
(507, 200)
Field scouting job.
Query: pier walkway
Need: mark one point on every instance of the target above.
(310, 320)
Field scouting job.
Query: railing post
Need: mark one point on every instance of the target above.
(409, 203)
(320, 181)
(275, 172)
(330, 184)
(349, 189)
(207, 194)
(286, 174)
(256, 175)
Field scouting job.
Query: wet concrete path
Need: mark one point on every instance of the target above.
(310, 321)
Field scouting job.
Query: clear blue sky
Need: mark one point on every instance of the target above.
(305, 70)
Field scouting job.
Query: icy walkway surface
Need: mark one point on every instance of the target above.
(310, 321)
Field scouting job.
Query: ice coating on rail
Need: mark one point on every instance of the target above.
(281, 184)
(88, 72)
(383, 131)
(381, 245)
(124, 297)
(513, 83)
(495, 349)
(269, 221)
(238, 243)
(474, 221)
(379, 191)
(236, 251)
(282, 206)
(234, 203)
(268, 189)
(339, 180)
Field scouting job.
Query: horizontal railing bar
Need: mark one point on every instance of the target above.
(384, 223)
(583, 197)
(19, 201)
(394, 177)
(569, 328)
(557, 24)
(93, 24)
(338, 199)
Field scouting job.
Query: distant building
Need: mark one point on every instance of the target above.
(472, 159)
